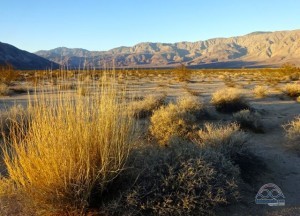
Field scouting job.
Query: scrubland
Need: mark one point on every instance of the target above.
(148, 142)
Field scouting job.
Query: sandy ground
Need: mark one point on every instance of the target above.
(275, 162)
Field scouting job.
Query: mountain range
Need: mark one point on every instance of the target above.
(257, 49)
(23, 60)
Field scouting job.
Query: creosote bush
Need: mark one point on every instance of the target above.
(180, 180)
(226, 139)
(293, 133)
(249, 120)
(228, 100)
(175, 119)
(71, 148)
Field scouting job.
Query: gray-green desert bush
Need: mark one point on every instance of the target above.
(177, 181)
(226, 139)
(229, 100)
(249, 120)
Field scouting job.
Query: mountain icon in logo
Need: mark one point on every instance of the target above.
(271, 195)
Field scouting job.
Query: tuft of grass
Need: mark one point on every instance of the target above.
(292, 89)
(175, 119)
(70, 149)
(249, 120)
(293, 133)
(229, 100)
(260, 91)
(226, 139)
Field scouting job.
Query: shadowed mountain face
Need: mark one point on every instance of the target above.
(23, 60)
(256, 49)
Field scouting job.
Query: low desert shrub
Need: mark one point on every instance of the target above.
(182, 73)
(249, 120)
(293, 133)
(11, 118)
(8, 75)
(228, 100)
(145, 107)
(173, 181)
(292, 89)
(260, 91)
(72, 148)
(175, 119)
(4, 90)
(226, 139)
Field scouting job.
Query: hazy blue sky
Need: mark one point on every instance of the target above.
(104, 24)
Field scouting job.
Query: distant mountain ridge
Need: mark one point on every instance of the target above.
(23, 60)
(257, 49)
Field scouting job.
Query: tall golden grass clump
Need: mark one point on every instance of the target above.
(72, 148)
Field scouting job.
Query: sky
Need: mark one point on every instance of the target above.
(34, 25)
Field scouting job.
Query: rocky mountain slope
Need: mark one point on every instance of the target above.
(257, 49)
(23, 60)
